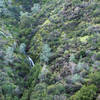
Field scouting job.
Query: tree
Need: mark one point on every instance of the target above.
(26, 4)
(46, 53)
(22, 48)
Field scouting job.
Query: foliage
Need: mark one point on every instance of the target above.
(39, 91)
(25, 19)
(56, 89)
(46, 53)
(76, 2)
(43, 73)
(22, 66)
(32, 81)
(22, 48)
(36, 46)
(85, 93)
(35, 8)
(25, 95)
(72, 58)
(95, 78)
(98, 56)
(9, 55)
(76, 78)
(82, 66)
(68, 28)
(28, 4)
(25, 4)
(8, 88)
(33, 77)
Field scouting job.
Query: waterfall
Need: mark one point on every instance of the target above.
(22, 49)
(31, 62)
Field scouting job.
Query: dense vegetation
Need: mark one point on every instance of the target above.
(49, 49)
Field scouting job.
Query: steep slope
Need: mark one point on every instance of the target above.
(62, 37)
(72, 31)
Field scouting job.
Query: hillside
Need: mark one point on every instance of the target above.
(49, 50)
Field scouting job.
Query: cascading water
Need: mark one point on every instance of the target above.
(22, 50)
(31, 61)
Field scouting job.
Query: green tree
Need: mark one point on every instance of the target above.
(46, 53)
(26, 4)
(85, 93)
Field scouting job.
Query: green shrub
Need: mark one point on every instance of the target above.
(36, 46)
(95, 78)
(85, 93)
(96, 13)
(98, 56)
(60, 88)
(22, 66)
(25, 95)
(81, 54)
(39, 92)
(76, 2)
(8, 88)
(72, 58)
(76, 78)
(82, 66)
(96, 20)
(8, 97)
(44, 1)
(51, 89)
(15, 98)
(34, 74)
(56, 89)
